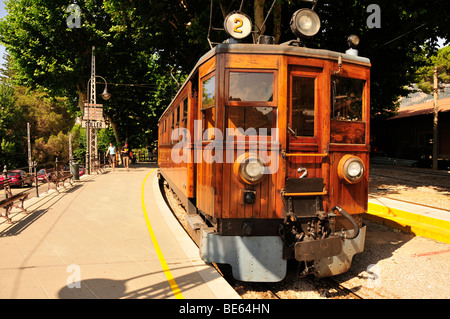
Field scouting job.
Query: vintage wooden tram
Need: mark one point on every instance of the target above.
(267, 146)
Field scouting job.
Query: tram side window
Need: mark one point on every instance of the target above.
(172, 127)
(346, 99)
(185, 110)
(303, 91)
(209, 106)
(172, 115)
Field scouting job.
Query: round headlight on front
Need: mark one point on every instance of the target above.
(351, 169)
(305, 23)
(249, 168)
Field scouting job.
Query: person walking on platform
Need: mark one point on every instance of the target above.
(126, 156)
(112, 156)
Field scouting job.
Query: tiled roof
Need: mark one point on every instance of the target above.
(422, 109)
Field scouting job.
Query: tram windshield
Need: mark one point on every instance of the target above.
(251, 86)
(347, 126)
(251, 120)
(346, 99)
(303, 91)
(251, 109)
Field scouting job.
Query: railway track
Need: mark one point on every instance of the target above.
(293, 286)
(332, 289)
(412, 175)
(327, 288)
(410, 170)
(409, 180)
(287, 289)
(409, 202)
(415, 186)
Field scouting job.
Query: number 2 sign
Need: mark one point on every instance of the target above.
(238, 25)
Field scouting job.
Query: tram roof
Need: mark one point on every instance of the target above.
(280, 49)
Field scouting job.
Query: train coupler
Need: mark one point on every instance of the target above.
(317, 249)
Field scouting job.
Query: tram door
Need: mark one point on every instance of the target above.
(304, 153)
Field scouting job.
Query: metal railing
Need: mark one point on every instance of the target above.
(39, 179)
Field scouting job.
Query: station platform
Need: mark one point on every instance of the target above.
(110, 236)
(415, 219)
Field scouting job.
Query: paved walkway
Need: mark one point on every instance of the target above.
(108, 236)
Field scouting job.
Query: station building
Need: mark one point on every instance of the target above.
(407, 138)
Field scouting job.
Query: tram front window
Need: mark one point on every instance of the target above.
(303, 106)
(251, 86)
(346, 99)
(250, 108)
(252, 120)
(347, 125)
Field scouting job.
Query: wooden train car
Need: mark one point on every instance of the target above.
(267, 146)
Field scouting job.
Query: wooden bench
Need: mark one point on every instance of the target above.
(97, 166)
(11, 200)
(57, 178)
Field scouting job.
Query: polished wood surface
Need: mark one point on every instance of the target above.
(212, 184)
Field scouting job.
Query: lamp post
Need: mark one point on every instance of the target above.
(435, 119)
(91, 133)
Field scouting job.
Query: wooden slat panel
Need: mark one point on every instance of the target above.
(252, 61)
(232, 206)
(351, 197)
(348, 132)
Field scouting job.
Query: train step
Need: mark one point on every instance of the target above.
(196, 222)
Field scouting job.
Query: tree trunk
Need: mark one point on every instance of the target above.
(82, 95)
(116, 132)
(277, 21)
(258, 7)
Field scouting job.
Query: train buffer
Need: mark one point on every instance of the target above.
(108, 236)
(412, 218)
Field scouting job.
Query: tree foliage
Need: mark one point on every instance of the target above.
(48, 55)
(11, 128)
(425, 74)
(141, 45)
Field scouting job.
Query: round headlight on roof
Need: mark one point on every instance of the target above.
(353, 41)
(305, 23)
(351, 169)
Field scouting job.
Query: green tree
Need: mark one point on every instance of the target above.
(409, 29)
(48, 117)
(46, 151)
(425, 74)
(11, 129)
(138, 45)
(48, 55)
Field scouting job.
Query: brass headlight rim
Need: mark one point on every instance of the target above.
(239, 168)
(343, 172)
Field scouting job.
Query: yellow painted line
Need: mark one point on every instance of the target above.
(395, 212)
(161, 258)
(413, 223)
